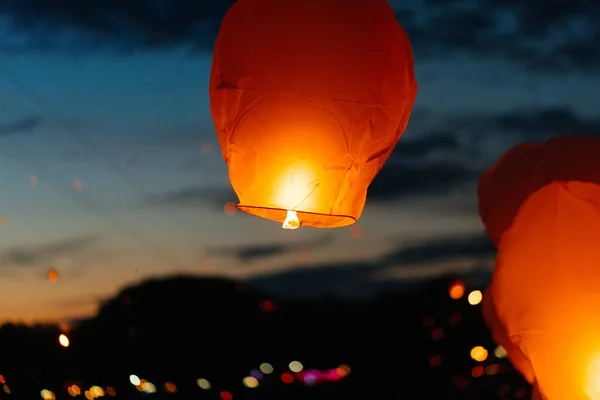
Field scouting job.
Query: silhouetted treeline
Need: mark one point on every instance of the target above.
(414, 344)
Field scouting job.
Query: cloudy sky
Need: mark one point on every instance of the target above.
(111, 173)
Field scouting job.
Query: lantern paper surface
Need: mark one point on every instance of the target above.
(540, 204)
(309, 98)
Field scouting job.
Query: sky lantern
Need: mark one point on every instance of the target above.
(309, 98)
(540, 204)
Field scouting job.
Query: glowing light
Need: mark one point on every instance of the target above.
(435, 361)
(225, 395)
(96, 391)
(250, 382)
(437, 334)
(592, 379)
(74, 390)
(475, 297)
(203, 383)
(63, 340)
(456, 290)
(111, 391)
(342, 371)
(291, 220)
(479, 353)
(229, 208)
(266, 306)
(295, 366)
(170, 387)
(52, 275)
(500, 352)
(492, 369)
(356, 231)
(149, 387)
(134, 380)
(287, 378)
(47, 395)
(266, 368)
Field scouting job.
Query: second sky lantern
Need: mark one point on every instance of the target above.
(540, 204)
(309, 98)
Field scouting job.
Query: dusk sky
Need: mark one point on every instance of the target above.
(115, 94)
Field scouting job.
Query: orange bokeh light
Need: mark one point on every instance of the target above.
(456, 290)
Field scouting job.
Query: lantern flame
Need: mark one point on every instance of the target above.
(291, 220)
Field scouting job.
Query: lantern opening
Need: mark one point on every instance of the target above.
(292, 182)
(311, 219)
(291, 220)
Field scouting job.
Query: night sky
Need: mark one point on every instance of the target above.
(111, 98)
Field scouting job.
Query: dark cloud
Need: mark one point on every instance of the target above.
(465, 147)
(250, 253)
(539, 34)
(194, 196)
(551, 35)
(357, 279)
(421, 147)
(445, 249)
(396, 181)
(46, 253)
(124, 25)
(532, 124)
(24, 125)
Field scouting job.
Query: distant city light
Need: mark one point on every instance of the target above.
(456, 290)
(63, 340)
(266, 368)
(479, 353)
(295, 366)
(500, 352)
(225, 395)
(475, 297)
(203, 383)
(287, 378)
(96, 391)
(250, 382)
(134, 380)
(74, 390)
(170, 387)
(47, 395)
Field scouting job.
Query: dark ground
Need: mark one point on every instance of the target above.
(399, 346)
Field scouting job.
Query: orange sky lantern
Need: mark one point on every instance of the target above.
(309, 98)
(540, 204)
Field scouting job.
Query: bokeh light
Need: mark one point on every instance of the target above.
(266, 368)
(456, 290)
(295, 366)
(475, 297)
(500, 352)
(203, 383)
(479, 353)
(250, 382)
(63, 340)
(135, 381)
